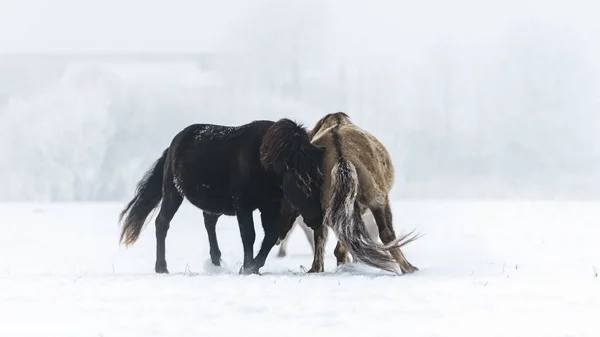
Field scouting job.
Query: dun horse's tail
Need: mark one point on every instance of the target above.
(147, 196)
(343, 215)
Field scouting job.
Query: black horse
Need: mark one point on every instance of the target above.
(225, 170)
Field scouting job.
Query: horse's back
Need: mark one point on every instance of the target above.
(368, 155)
(215, 166)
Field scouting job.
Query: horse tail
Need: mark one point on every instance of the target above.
(344, 217)
(147, 197)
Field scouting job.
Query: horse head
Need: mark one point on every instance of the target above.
(286, 149)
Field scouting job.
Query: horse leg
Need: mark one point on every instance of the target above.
(308, 232)
(369, 221)
(383, 218)
(210, 222)
(268, 217)
(246, 224)
(320, 237)
(283, 246)
(169, 206)
(341, 253)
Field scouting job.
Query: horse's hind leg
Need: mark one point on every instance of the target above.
(383, 218)
(341, 253)
(210, 222)
(169, 206)
(320, 237)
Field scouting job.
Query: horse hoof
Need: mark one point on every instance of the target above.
(281, 253)
(342, 262)
(161, 270)
(410, 269)
(249, 271)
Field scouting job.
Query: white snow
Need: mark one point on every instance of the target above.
(489, 269)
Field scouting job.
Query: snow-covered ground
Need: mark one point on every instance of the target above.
(487, 269)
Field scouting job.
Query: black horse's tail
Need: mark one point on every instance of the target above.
(344, 217)
(147, 196)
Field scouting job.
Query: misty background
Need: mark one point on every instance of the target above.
(474, 99)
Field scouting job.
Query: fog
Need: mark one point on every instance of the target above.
(473, 99)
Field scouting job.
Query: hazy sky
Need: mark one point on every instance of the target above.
(121, 25)
(468, 95)
(198, 25)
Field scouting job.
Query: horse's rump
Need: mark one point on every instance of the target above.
(358, 174)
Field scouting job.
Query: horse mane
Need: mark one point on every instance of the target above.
(285, 146)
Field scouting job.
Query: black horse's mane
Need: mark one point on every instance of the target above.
(286, 146)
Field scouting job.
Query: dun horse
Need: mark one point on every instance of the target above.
(358, 175)
(225, 170)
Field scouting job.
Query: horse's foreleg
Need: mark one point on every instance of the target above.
(269, 222)
(383, 218)
(169, 206)
(320, 237)
(210, 222)
(283, 246)
(308, 232)
(246, 224)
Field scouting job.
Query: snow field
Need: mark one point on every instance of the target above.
(487, 269)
